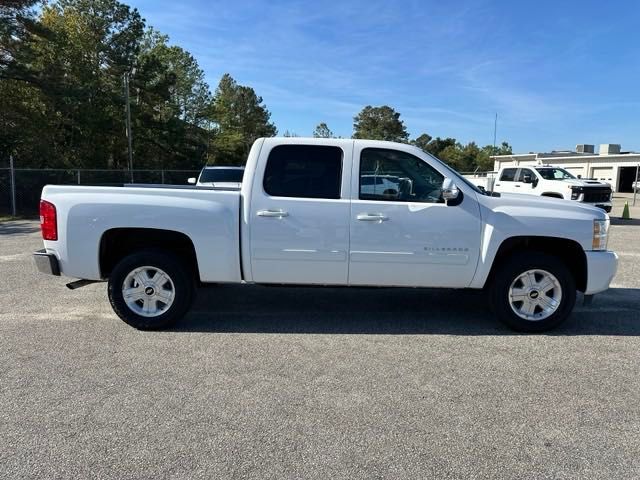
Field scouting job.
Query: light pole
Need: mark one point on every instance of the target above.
(495, 131)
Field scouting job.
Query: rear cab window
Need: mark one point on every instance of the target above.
(304, 171)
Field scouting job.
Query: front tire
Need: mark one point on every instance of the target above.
(533, 292)
(150, 290)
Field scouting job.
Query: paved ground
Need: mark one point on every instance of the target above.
(313, 383)
(619, 200)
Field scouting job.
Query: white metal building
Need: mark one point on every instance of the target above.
(610, 164)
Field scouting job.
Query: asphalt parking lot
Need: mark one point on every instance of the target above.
(314, 383)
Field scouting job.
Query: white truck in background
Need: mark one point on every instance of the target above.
(547, 181)
(312, 212)
(219, 177)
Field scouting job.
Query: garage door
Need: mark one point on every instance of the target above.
(602, 173)
(576, 171)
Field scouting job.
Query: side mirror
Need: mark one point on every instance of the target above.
(449, 190)
(191, 180)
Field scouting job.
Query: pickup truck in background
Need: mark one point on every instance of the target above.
(307, 214)
(548, 181)
(219, 177)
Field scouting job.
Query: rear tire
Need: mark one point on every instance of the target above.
(532, 292)
(150, 290)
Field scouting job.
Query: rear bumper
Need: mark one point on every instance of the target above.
(46, 262)
(601, 268)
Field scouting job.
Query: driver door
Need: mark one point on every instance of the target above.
(408, 236)
(523, 181)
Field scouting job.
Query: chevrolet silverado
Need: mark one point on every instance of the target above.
(306, 214)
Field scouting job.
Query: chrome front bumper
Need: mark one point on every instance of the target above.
(601, 268)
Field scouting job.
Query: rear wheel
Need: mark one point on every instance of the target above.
(150, 290)
(533, 292)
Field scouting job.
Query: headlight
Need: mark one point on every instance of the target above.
(576, 192)
(600, 234)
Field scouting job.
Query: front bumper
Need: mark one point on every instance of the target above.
(46, 262)
(606, 206)
(601, 268)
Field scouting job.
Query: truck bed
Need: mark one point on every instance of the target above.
(208, 216)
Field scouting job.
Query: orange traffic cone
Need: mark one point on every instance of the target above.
(625, 212)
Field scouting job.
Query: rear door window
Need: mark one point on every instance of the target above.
(508, 175)
(304, 171)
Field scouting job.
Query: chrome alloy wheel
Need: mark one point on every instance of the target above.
(148, 291)
(535, 295)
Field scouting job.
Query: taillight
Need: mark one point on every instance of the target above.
(48, 220)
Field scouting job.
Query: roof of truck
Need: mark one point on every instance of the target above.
(339, 141)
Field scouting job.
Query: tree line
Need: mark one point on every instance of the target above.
(63, 70)
(384, 123)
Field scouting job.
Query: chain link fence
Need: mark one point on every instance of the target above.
(20, 188)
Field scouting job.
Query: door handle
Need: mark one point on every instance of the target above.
(517, 186)
(372, 217)
(272, 213)
(497, 184)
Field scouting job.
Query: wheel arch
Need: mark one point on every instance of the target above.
(552, 195)
(568, 251)
(117, 243)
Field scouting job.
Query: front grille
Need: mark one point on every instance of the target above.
(597, 194)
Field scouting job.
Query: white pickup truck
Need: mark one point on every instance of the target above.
(304, 216)
(550, 181)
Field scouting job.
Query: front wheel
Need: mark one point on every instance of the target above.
(150, 290)
(533, 292)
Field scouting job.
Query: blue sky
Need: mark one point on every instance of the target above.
(556, 72)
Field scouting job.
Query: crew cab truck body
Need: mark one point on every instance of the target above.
(555, 182)
(304, 216)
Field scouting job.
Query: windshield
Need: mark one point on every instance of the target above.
(554, 174)
(210, 175)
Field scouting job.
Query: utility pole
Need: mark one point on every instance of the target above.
(128, 122)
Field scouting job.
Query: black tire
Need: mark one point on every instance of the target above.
(510, 270)
(182, 286)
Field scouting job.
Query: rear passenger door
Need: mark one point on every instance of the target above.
(506, 182)
(300, 208)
